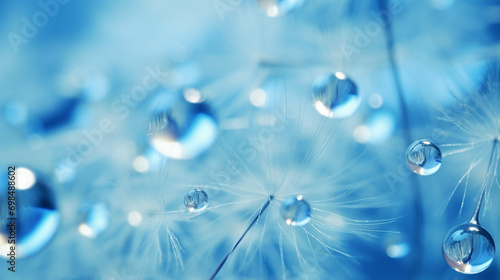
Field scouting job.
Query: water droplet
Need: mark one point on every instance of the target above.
(182, 130)
(196, 200)
(423, 157)
(468, 248)
(275, 8)
(36, 213)
(335, 95)
(95, 219)
(296, 211)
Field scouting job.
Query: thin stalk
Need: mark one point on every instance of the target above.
(415, 184)
(262, 209)
(475, 217)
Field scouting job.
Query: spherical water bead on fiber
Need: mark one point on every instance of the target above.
(335, 95)
(423, 157)
(468, 248)
(296, 211)
(196, 200)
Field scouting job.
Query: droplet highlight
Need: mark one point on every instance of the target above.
(335, 95)
(468, 248)
(296, 211)
(196, 200)
(276, 8)
(423, 157)
(95, 219)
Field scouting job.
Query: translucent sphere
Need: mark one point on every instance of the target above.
(36, 216)
(423, 157)
(94, 219)
(296, 211)
(335, 95)
(180, 129)
(468, 248)
(196, 200)
(275, 8)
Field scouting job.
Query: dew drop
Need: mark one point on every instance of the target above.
(276, 8)
(296, 211)
(95, 219)
(423, 157)
(180, 129)
(196, 200)
(335, 95)
(36, 212)
(468, 248)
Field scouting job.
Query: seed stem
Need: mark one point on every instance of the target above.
(262, 209)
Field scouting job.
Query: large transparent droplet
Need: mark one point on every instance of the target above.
(196, 200)
(335, 95)
(468, 248)
(94, 219)
(180, 129)
(423, 157)
(275, 8)
(296, 211)
(37, 217)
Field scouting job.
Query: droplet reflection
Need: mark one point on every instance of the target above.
(468, 248)
(296, 211)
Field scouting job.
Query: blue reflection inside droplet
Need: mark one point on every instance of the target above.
(335, 95)
(468, 248)
(95, 220)
(183, 130)
(37, 218)
(36, 227)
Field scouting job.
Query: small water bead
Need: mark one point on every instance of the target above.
(275, 8)
(423, 157)
(196, 200)
(36, 212)
(335, 95)
(296, 211)
(95, 219)
(180, 129)
(468, 248)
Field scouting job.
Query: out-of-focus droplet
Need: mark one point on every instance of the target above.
(182, 130)
(335, 95)
(275, 8)
(134, 218)
(379, 127)
(468, 248)
(296, 211)
(423, 157)
(15, 113)
(36, 212)
(95, 219)
(398, 250)
(196, 200)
